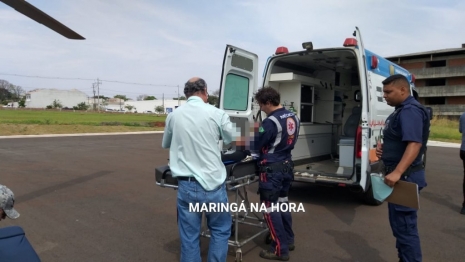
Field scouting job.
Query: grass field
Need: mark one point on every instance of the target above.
(445, 130)
(35, 122)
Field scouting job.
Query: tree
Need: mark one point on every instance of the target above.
(159, 109)
(57, 104)
(213, 98)
(123, 97)
(129, 107)
(22, 102)
(81, 106)
(150, 98)
(180, 98)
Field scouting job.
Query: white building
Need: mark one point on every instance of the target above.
(150, 105)
(41, 98)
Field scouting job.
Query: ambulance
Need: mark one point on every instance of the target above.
(337, 93)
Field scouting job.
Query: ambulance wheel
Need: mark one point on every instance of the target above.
(268, 238)
(369, 199)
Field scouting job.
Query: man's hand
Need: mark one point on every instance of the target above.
(379, 150)
(392, 178)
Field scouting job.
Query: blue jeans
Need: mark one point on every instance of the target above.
(189, 223)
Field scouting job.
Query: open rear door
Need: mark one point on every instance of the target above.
(238, 84)
(364, 85)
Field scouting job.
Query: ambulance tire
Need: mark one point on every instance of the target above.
(369, 199)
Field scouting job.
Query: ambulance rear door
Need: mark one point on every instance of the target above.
(363, 141)
(238, 83)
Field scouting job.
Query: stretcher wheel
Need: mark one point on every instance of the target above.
(268, 238)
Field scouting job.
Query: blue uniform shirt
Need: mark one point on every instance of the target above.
(277, 136)
(408, 123)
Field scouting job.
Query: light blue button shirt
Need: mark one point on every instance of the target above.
(192, 133)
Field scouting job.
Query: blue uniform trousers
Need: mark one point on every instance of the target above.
(403, 222)
(274, 189)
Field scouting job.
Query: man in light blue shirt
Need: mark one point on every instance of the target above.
(462, 156)
(192, 133)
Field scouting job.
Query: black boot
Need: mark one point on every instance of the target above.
(272, 256)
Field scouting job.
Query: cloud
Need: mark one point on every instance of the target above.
(166, 43)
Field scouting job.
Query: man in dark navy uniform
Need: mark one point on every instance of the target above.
(275, 140)
(405, 136)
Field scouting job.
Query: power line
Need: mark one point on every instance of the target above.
(88, 79)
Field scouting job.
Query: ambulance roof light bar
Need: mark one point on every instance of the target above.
(281, 50)
(350, 42)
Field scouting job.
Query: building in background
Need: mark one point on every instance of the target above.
(440, 78)
(41, 98)
(148, 106)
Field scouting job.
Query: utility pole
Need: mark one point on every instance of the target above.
(93, 88)
(178, 95)
(98, 93)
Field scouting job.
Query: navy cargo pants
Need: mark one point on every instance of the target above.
(274, 190)
(403, 222)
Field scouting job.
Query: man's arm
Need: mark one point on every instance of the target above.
(168, 134)
(229, 132)
(266, 133)
(411, 122)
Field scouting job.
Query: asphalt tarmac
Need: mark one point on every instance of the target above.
(94, 198)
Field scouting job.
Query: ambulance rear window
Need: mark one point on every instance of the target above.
(236, 92)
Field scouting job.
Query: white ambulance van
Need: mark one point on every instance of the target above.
(337, 95)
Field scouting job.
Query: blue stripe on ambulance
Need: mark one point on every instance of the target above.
(385, 67)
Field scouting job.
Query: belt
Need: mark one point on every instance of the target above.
(410, 170)
(283, 166)
(187, 178)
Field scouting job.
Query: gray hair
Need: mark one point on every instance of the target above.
(191, 88)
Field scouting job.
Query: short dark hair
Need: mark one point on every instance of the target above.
(268, 94)
(396, 79)
(191, 88)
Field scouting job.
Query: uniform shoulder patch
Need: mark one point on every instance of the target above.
(261, 129)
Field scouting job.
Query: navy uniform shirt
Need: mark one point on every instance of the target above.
(277, 136)
(408, 123)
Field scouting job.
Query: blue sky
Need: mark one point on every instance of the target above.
(164, 43)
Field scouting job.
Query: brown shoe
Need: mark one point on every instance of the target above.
(272, 256)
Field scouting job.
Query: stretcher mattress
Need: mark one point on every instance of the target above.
(235, 170)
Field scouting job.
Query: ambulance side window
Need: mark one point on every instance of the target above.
(236, 92)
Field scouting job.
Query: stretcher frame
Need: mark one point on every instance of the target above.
(238, 183)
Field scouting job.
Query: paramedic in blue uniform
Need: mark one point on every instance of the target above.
(404, 140)
(275, 140)
(192, 133)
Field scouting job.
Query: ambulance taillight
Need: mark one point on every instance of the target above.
(374, 62)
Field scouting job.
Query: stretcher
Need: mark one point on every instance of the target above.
(239, 175)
